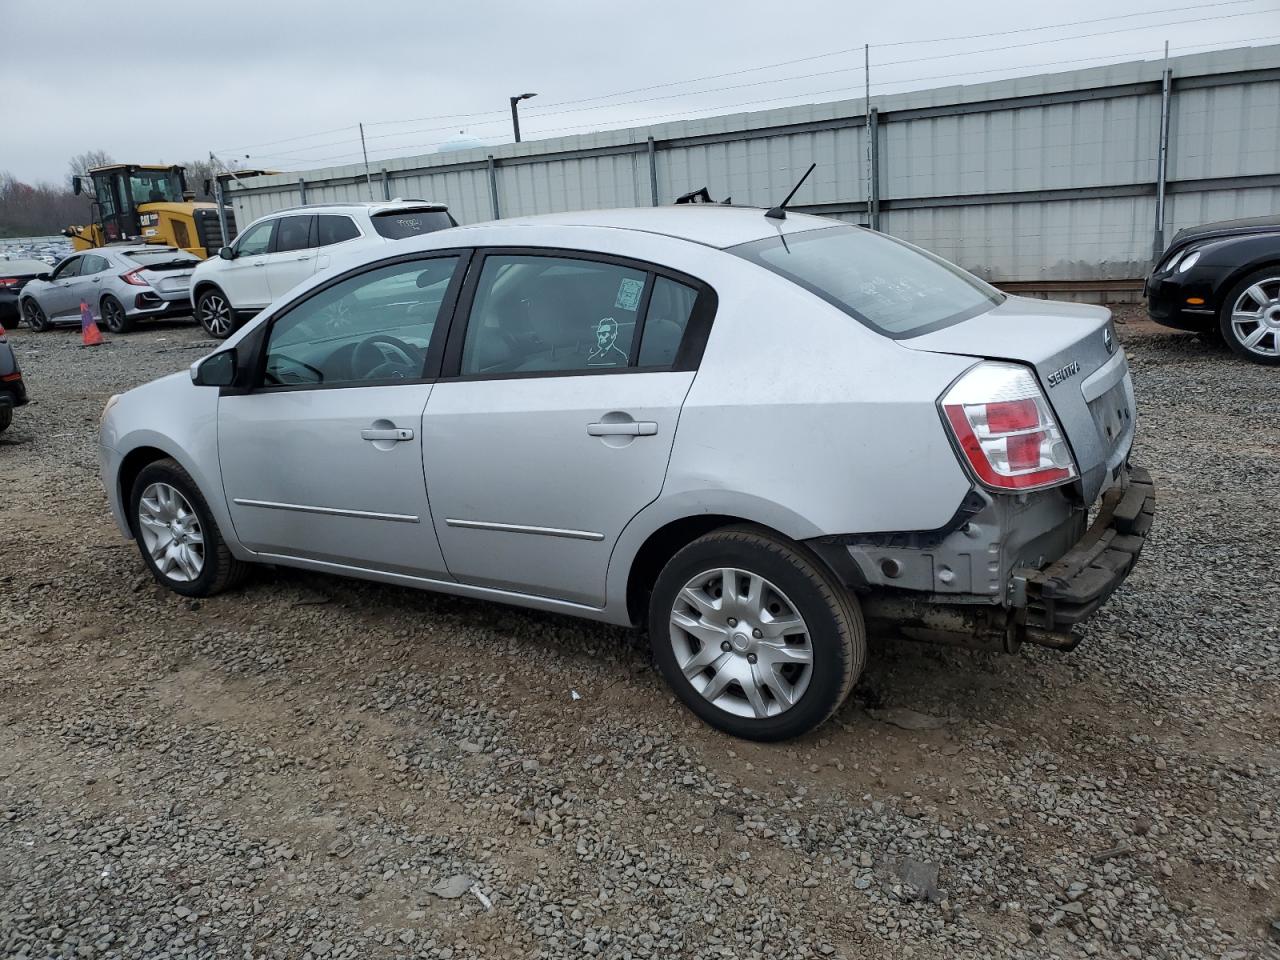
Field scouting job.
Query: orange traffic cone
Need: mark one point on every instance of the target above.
(89, 331)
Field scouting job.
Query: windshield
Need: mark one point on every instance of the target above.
(155, 186)
(401, 224)
(891, 286)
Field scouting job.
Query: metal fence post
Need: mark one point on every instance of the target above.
(873, 179)
(222, 211)
(493, 187)
(302, 190)
(1162, 163)
(386, 184)
(653, 172)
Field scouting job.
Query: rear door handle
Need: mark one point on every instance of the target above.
(304, 258)
(393, 433)
(629, 428)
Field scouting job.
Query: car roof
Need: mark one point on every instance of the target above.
(1224, 228)
(713, 225)
(361, 206)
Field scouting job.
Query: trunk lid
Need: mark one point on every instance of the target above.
(1079, 363)
(171, 277)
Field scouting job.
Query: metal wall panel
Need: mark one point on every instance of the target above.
(1042, 178)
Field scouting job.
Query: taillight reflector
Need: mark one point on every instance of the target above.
(134, 277)
(1002, 422)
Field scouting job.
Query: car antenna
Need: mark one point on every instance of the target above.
(780, 211)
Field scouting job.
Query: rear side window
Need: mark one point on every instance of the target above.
(401, 224)
(891, 286)
(335, 229)
(293, 233)
(670, 308)
(92, 264)
(538, 314)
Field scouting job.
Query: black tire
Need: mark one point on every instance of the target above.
(215, 313)
(6, 417)
(34, 316)
(836, 636)
(219, 569)
(114, 317)
(1269, 277)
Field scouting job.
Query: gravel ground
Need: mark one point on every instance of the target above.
(319, 768)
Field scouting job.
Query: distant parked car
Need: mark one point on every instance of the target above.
(122, 285)
(1223, 279)
(747, 432)
(13, 391)
(14, 275)
(279, 251)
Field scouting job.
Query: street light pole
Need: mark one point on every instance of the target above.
(515, 112)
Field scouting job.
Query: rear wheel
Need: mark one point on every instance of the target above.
(214, 312)
(177, 535)
(754, 635)
(6, 417)
(114, 316)
(1250, 318)
(34, 316)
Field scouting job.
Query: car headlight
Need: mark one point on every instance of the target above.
(1188, 261)
(111, 402)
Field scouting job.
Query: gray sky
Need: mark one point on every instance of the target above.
(170, 81)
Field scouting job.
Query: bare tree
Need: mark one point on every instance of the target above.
(82, 163)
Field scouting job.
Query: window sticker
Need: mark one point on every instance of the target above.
(629, 291)
(607, 353)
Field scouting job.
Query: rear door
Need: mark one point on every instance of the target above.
(335, 233)
(94, 269)
(556, 425)
(293, 256)
(244, 278)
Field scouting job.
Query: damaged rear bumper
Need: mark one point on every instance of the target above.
(1051, 601)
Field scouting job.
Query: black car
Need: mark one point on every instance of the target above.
(1223, 279)
(14, 275)
(13, 392)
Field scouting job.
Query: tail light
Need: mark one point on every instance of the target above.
(1001, 420)
(134, 277)
(7, 282)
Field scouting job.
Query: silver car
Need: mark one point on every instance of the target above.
(120, 285)
(757, 436)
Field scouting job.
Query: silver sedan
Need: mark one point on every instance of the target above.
(120, 285)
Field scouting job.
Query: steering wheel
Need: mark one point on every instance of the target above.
(383, 357)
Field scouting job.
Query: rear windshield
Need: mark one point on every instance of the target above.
(151, 257)
(402, 224)
(891, 286)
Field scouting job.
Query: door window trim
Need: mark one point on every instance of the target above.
(693, 342)
(255, 365)
(360, 234)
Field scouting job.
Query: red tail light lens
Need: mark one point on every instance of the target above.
(1002, 422)
(134, 277)
(8, 281)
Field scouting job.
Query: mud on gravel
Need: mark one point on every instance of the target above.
(315, 767)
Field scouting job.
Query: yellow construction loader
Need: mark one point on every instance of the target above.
(136, 202)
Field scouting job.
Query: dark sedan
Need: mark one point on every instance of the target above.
(1223, 279)
(14, 275)
(13, 392)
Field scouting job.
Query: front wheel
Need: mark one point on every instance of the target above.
(754, 635)
(177, 535)
(1250, 319)
(34, 316)
(114, 317)
(214, 312)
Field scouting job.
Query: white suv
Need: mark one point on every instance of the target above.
(279, 251)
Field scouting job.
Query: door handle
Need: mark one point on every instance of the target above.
(391, 433)
(304, 258)
(628, 428)
(260, 263)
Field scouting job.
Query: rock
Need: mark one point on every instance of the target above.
(923, 877)
(906, 718)
(453, 887)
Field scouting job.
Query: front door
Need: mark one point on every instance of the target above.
(322, 460)
(293, 256)
(60, 299)
(244, 277)
(556, 430)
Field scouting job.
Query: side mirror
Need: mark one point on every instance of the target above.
(226, 253)
(75, 185)
(216, 370)
(43, 276)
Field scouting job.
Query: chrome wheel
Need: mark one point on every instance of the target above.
(1255, 318)
(741, 643)
(171, 533)
(215, 315)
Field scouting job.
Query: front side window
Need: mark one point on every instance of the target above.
(894, 288)
(332, 229)
(68, 268)
(255, 240)
(293, 233)
(537, 314)
(374, 327)
(401, 224)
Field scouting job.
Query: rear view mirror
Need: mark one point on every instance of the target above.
(217, 370)
(226, 253)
